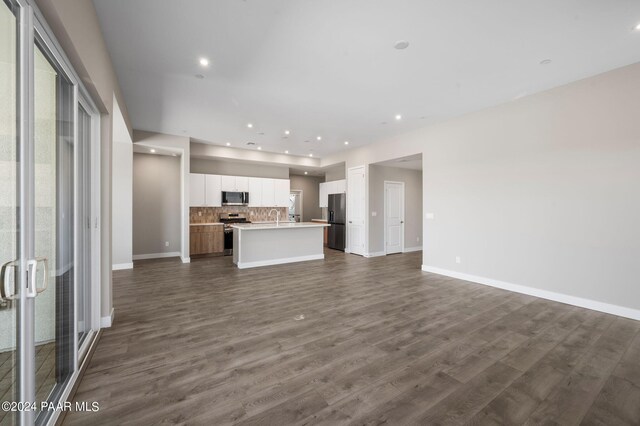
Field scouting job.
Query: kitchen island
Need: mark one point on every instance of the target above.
(262, 244)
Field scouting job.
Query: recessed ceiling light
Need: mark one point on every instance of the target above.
(152, 150)
(398, 117)
(319, 138)
(228, 143)
(545, 62)
(346, 142)
(637, 27)
(250, 125)
(311, 155)
(287, 132)
(260, 148)
(204, 62)
(401, 44)
(306, 173)
(286, 152)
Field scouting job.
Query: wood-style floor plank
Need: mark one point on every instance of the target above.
(381, 343)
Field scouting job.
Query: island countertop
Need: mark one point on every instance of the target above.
(262, 244)
(281, 225)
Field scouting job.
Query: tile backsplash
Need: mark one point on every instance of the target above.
(254, 214)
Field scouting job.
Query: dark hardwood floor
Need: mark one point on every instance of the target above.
(381, 343)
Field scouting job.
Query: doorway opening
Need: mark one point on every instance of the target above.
(395, 206)
(295, 205)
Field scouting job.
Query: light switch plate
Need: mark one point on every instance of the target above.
(430, 215)
(374, 214)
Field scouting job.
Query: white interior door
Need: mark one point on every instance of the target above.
(394, 217)
(356, 210)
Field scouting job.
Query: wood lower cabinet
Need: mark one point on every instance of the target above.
(206, 239)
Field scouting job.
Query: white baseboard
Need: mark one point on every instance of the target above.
(245, 265)
(185, 259)
(156, 255)
(120, 266)
(544, 294)
(375, 254)
(106, 322)
(411, 249)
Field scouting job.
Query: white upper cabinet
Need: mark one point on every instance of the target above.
(268, 193)
(206, 190)
(324, 199)
(282, 190)
(235, 183)
(255, 192)
(213, 191)
(196, 190)
(242, 184)
(333, 187)
(228, 183)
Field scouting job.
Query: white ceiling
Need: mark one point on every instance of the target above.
(329, 67)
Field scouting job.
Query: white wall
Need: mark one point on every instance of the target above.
(180, 145)
(412, 206)
(541, 192)
(122, 197)
(157, 205)
(335, 173)
(235, 168)
(310, 187)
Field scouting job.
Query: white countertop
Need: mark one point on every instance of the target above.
(206, 224)
(282, 225)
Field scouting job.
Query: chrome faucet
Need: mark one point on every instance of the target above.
(277, 216)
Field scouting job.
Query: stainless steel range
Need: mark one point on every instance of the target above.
(229, 219)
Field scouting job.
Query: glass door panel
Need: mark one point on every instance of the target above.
(53, 227)
(83, 288)
(9, 185)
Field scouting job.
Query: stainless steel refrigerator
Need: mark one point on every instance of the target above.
(337, 220)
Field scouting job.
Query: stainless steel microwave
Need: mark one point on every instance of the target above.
(235, 198)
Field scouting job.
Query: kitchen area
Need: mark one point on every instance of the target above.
(248, 218)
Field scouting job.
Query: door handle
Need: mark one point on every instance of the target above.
(6, 292)
(402, 221)
(32, 266)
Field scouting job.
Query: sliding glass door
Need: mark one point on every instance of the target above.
(54, 240)
(47, 208)
(84, 294)
(9, 213)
